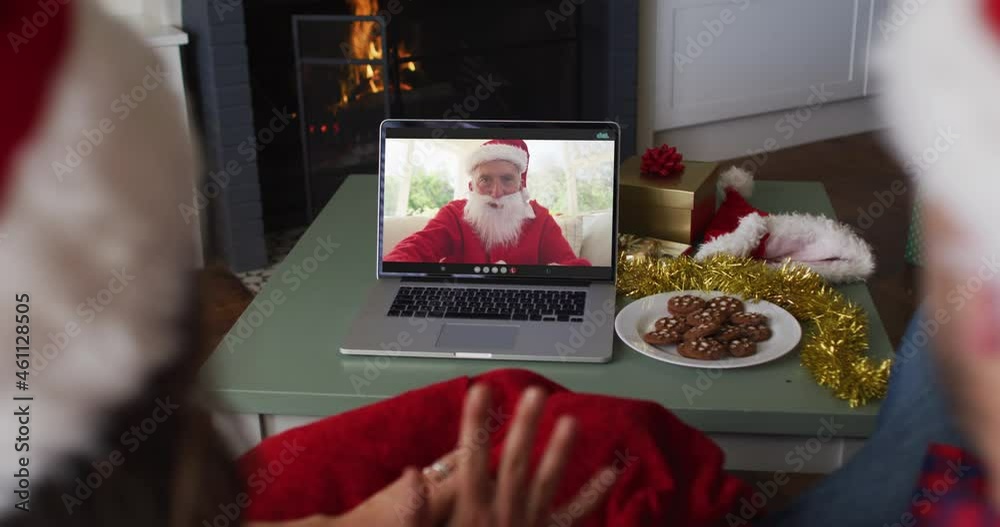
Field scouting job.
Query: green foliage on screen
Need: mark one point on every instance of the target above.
(594, 195)
(428, 193)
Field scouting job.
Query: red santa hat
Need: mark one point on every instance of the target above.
(738, 227)
(92, 241)
(514, 151)
(828, 247)
(940, 76)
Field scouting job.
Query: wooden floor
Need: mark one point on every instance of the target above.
(853, 169)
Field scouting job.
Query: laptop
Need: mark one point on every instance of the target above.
(496, 240)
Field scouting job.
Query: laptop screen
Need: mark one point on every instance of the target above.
(498, 199)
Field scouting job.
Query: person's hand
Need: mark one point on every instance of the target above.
(458, 490)
(514, 500)
(403, 503)
(500, 262)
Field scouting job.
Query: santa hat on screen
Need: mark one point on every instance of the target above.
(940, 73)
(830, 248)
(514, 151)
(91, 230)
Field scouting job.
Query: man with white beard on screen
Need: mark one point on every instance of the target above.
(498, 223)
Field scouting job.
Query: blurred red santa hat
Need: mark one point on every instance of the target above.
(35, 60)
(512, 150)
(940, 75)
(93, 245)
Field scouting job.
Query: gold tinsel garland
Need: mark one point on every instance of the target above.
(835, 342)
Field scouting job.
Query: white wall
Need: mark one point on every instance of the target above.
(156, 12)
(166, 12)
(172, 13)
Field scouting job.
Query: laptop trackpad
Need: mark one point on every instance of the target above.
(477, 336)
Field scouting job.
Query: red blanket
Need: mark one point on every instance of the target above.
(668, 472)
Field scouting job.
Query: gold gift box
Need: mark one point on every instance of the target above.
(632, 247)
(675, 208)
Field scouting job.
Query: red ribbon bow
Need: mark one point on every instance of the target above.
(661, 161)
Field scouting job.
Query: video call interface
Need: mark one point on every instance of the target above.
(498, 202)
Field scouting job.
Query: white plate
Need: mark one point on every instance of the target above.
(639, 317)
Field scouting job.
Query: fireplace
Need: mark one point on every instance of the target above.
(340, 67)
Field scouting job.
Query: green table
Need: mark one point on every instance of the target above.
(281, 361)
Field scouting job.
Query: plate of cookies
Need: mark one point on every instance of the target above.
(708, 329)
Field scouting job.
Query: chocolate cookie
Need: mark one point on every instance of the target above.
(729, 332)
(748, 319)
(684, 305)
(703, 316)
(726, 305)
(673, 324)
(662, 337)
(757, 332)
(742, 347)
(702, 349)
(701, 330)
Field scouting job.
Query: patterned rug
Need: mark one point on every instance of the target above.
(279, 244)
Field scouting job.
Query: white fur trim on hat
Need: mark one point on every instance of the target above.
(824, 245)
(102, 251)
(737, 179)
(940, 76)
(741, 242)
(497, 152)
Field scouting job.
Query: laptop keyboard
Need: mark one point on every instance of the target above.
(489, 304)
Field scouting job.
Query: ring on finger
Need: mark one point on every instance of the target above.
(439, 470)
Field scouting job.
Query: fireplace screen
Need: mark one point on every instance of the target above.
(344, 86)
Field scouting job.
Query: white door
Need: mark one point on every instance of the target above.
(722, 59)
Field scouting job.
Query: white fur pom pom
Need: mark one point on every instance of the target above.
(737, 179)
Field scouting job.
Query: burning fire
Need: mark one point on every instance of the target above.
(366, 42)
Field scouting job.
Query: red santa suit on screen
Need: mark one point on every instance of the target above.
(497, 223)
